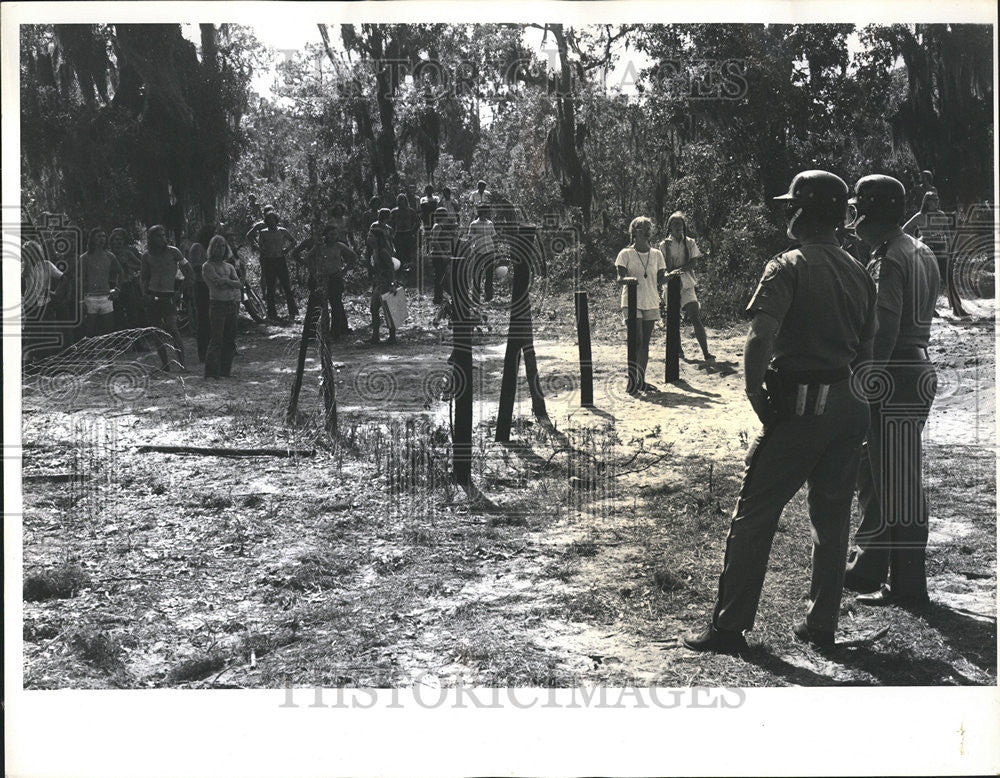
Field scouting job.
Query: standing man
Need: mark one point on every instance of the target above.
(379, 250)
(129, 301)
(892, 539)
(158, 275)
(405, 223)
(272, 242)
(328, 259)
(449, 204)
(480, 197)
(925, 184)
(428, 205)
(813, 320)
(482, 237)
(100, 274)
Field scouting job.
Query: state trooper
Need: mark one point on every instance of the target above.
(813, 320)
(891, 542)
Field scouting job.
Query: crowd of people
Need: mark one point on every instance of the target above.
(820, 317)
(115, 283)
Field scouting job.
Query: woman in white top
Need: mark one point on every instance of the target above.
(644, 263)
(680, 252)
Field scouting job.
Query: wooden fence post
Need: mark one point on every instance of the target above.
(586, 359)
(632, 334)
(671, 369)
(461, 443)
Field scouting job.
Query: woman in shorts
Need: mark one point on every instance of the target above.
(680, 252)
(641, 261)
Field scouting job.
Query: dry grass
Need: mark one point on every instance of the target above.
(365, 567)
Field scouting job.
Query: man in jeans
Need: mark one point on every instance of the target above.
(272, 242)
(814, 313)
(892, 539)
(157, 275)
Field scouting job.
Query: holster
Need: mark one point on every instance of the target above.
(799, 395)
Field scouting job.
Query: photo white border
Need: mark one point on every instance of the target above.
(822, 731)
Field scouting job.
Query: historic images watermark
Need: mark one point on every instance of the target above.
(422, 696)
(699, 79)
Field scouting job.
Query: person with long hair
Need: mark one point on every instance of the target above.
(128, 303)
(39, 277)
(38, 280)
(160, 265)
(405, 223)
(442, 247)
(197, 256)
(930, 224)
(379, 249)
(641, 261)
(99, 274)
(680, 251)
(224, 287)
(340, 220)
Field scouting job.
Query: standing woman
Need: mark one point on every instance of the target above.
(224, 287)
(680, 252)
(930, 225)
(197, 255)
(644, 263)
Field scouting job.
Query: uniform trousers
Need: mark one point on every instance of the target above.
(823, 452)
(891, 542)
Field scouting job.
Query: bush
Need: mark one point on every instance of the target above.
(58, 583)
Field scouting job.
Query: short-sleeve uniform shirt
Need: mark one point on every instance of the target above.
(824, 302)
(643, 266)
(906, 274)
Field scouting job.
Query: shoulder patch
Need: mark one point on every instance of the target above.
(772, 269)
(875, 270)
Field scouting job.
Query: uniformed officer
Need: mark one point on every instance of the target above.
(892, 539)
(813, 320)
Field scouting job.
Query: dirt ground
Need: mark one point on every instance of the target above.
(599, 542)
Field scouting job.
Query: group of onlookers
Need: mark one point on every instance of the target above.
(113, 283)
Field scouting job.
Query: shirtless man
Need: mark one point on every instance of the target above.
(159, 265)
(99, 273)
(328, 259)
(272, 242)
(379, 251)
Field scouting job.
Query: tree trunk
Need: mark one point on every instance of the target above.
(576, 184)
